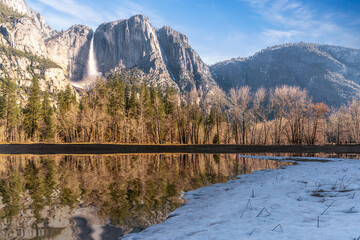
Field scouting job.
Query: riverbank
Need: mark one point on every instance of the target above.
(310, 200)
(46, 149)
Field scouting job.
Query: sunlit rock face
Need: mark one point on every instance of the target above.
(24, 54)
(70, 49)
(330, 74)
(163, 54)
(183, 63)
(28, 32)
(131, 43)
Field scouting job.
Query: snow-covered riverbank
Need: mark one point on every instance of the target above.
(310, 200)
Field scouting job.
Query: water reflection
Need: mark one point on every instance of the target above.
(104, 197)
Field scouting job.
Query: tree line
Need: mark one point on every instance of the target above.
(113, 111)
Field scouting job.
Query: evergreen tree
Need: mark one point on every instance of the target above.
(158, 115)
(116, 91)
(127, 99)
(47, 131)
(32, 111)
(169, 105)
(133, 102)
(9, 110)
(144, 106)
(152, 94)
(65, 99)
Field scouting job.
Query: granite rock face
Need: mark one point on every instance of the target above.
(330, 74)
(130, 43)
(70, 49)
(183, 63)
(27, 32)
(23, 50)
(163, 54)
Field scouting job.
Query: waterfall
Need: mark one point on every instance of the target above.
(92, 70)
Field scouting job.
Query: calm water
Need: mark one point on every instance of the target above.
(104, 197)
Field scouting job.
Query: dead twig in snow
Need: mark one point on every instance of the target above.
(249, 205)
(279, 225)
(253, 231)
(262, 211)
(327, 208)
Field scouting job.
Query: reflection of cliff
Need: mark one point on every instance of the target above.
(44, 195)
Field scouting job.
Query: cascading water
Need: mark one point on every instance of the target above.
(92, 70)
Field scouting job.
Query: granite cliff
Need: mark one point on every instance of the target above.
(163, 54)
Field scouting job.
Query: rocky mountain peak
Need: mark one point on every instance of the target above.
(79, 29)
(129, 43)
(176, 37)
(163, 54)
(139, 18)
(70, 49)
(184, 64)
(18, 6)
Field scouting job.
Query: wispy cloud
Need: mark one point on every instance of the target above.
(126, 9)
(74, 9)
(62, 12)
(292, 21)
(271, 36)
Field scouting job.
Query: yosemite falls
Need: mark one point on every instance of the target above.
(92, 70)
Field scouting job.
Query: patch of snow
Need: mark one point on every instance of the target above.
(310, 200)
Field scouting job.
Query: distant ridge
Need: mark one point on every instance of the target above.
(330, 74)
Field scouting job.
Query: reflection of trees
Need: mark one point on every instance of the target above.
(130, 190)
(10, 190)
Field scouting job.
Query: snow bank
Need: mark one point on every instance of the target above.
(310, 200)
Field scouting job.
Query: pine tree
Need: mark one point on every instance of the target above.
(143, 109)
(169, 93)
(32, 112)
(152, 94)
(116, 106)
(67, 110)
(9, 110)
(65, 99)
(157, 114)
(47, 131)
(127, 100)
(133, 102)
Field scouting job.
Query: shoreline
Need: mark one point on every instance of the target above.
(309, 200)
(50, 149)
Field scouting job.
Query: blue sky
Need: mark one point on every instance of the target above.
(222, 29)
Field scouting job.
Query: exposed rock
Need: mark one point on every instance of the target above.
(22, 8)
(19, 6)
(70, 49)
(164, 55)
(183, 63)
(131, 43)
(24, 35)
(330, 74)
(23, 51)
